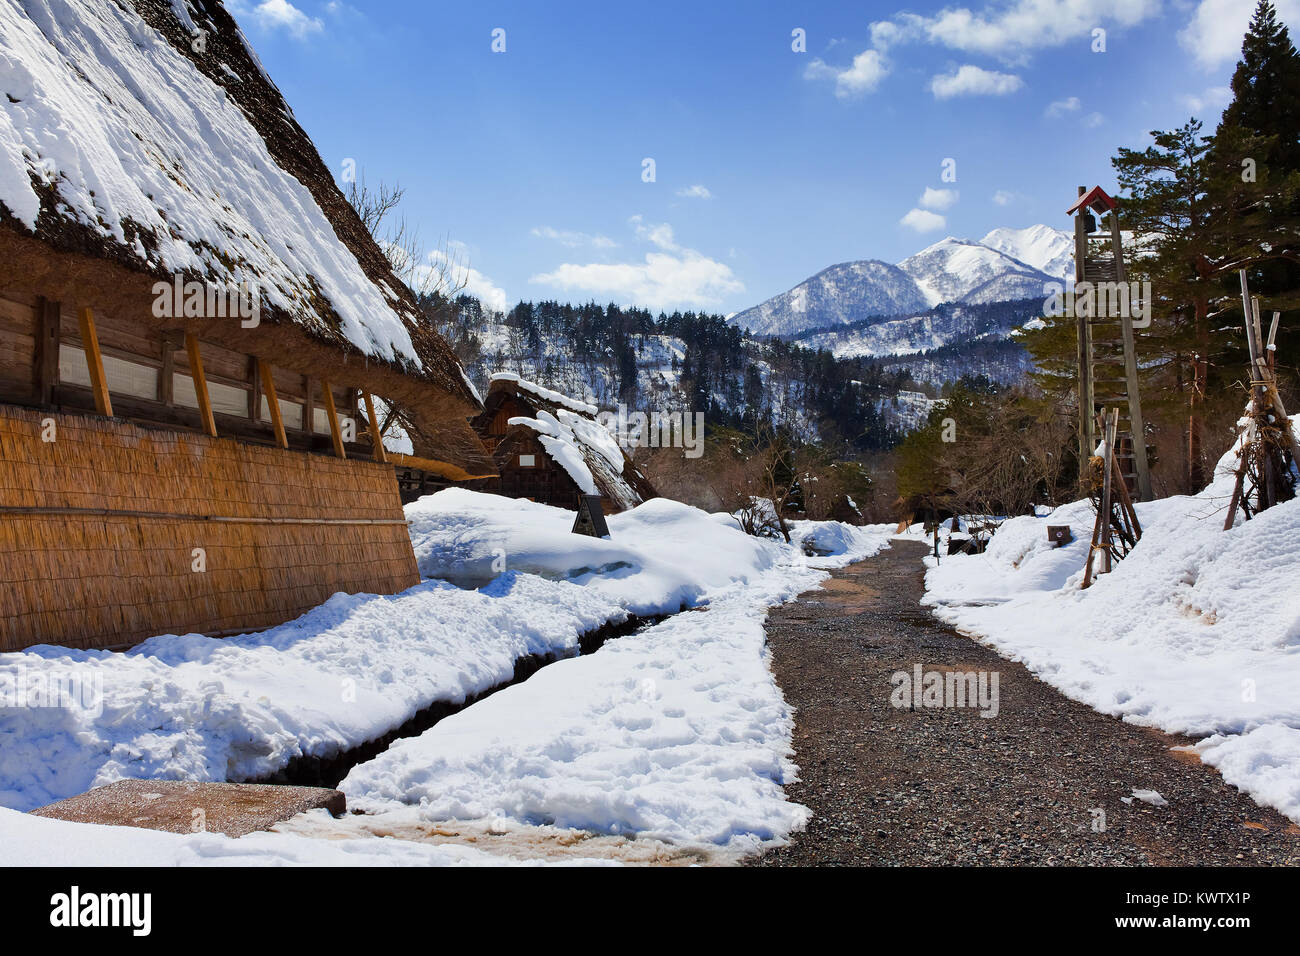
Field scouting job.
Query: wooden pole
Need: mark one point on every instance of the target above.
(1087, 439)
(1107, 451)
(200, 384)
(376, 438)
(1092, 550)
(95, 363)
(272, 402)
(335, 434)
(1125, 501)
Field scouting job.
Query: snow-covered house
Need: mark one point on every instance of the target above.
(194, 329)
(550, 448)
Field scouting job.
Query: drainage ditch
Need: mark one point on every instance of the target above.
(328, 771)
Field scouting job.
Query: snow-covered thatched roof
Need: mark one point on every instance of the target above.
(146, 136)
(582, 447)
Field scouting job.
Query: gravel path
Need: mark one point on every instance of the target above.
(946, 786)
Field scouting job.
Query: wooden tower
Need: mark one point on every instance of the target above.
(1107, 355)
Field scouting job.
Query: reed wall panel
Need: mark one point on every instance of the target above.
(104, 556)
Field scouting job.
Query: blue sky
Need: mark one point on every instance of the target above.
(770, 164)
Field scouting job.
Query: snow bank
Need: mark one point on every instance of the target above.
(1196, 632)
(660, 557)
(677, 733)
(197, 708)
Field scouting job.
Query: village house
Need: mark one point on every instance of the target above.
(196, 333)
(549, 447)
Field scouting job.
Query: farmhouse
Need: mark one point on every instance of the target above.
(550, 448)
(195, 333)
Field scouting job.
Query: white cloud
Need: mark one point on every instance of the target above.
(1004, 198)
(939, 199)
(278, 14)
(1058, 108)
(671, 276)
(921, 220)
(1212, 100)
(970, 80)
(1093, 120)
(573, 239)
(1214, 34)
(868, 69)
(1012, 31)
(472, 281)
(695, 192)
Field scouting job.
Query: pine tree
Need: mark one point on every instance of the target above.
(1255, 163)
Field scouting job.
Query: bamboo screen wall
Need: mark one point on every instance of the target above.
(98, 530)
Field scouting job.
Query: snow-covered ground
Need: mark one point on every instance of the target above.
(1197, 632)
(677, 732)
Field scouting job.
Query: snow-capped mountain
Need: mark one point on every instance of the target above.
(1046, 249)
(838, 295)
(1006, 265)
(954, 269)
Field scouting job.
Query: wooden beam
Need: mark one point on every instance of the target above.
(335, 433)
(272, 402)
(200, 384)
(95, 362)
(376, 439)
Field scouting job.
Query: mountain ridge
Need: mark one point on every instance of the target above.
(1007, 264)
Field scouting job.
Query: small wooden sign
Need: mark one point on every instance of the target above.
(1059, 535)
(591, 517)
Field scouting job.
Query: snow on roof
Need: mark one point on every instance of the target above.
(107, 126)
(563, 446)
(541, 391)
(579, 444)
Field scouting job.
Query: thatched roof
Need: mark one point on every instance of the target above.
(130, 152)
(574, 440)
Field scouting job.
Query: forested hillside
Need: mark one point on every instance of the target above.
(688, 361)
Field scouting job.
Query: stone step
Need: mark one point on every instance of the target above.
(182, 806)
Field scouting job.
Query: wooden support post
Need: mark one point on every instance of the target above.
(1087, 438)
(200, 384)
(272, 402)
(335, 433)
(376, 437)
(254, 390)
(308, 409)
(47, 351)
(95, 363)
(173, 340)
(1136, 422)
